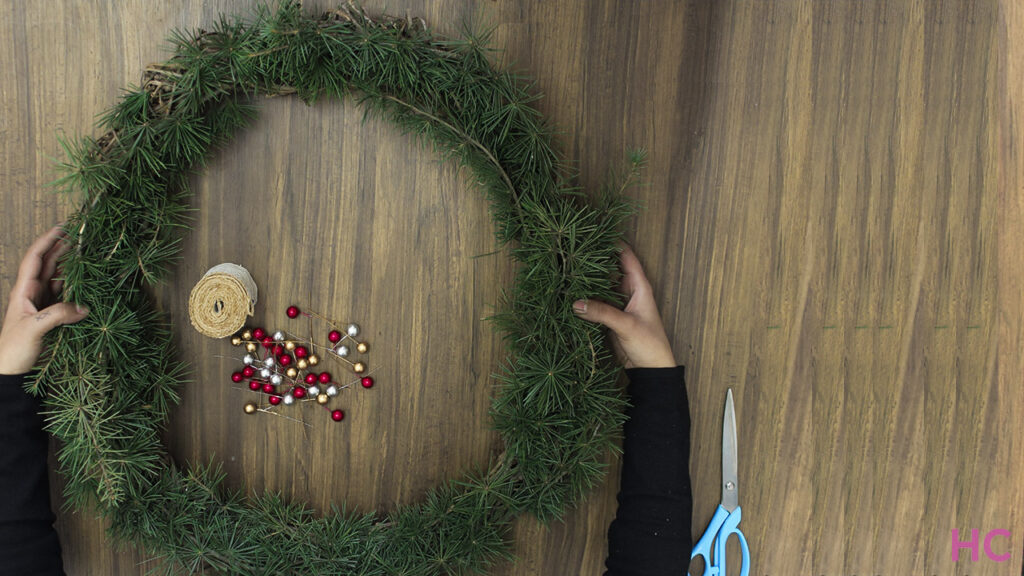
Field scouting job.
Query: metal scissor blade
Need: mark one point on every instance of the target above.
(730, 468)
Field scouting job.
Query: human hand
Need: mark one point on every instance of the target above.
(34, 309)
(638, 335)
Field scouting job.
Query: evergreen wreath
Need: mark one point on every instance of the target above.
(109, 381)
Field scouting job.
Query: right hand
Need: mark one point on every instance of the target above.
(638, 335)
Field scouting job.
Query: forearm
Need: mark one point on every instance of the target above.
(28, 541)
(651, 531)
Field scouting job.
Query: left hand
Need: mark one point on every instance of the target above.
(34, 307)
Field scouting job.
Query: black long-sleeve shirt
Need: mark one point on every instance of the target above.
(650, 535)
(28, 541)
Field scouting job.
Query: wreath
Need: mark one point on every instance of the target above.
(110, 381)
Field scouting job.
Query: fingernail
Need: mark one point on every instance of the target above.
(81, 309)
(579, 306)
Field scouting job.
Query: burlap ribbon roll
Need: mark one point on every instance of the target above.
(221, 301)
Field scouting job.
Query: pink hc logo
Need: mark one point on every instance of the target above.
(972, 545)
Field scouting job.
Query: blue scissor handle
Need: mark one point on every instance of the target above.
(723, 524)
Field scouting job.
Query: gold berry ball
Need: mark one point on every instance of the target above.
(246, 335)
(289, 345)
(291, 372)
(250, 347)
(362, 347)
(314, 359)
(359, 367)
(236, 341)
(322, 398)
(250, 408)
(302, 363)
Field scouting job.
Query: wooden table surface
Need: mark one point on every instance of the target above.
(832, 224)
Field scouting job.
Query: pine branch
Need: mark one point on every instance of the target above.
(110, 381)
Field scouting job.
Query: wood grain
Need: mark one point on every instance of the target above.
(832, 225)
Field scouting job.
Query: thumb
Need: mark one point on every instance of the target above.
(602, 313)
(56, 315)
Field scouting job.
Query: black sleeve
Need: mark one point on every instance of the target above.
(28, 541)
(650, 535)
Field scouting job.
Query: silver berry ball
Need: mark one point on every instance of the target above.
(353, 330)
(268, 361)
(265, 373)
(342, 350)
(275, 379)
(248, 359)
(288, 399)
(332, 390)
(278, 336)
(313, 390)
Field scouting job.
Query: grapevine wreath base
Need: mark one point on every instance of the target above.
(110, 381)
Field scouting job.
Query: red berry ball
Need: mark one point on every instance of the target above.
(337, 415)
(248, 371)
(259, 333)
(299, 392)
(268, 388)
(311, 378)
(292, 311)
(367, 382)
(325, 377)
(254, 385)
(268, 342)
(301, 352)
(274, 400)
(334, 336)
(236, 377)
(278, 349)
(284, 360)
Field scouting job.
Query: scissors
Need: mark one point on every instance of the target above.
(727, 517)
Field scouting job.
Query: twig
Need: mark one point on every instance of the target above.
(474, 142)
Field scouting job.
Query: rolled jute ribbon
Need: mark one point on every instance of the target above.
(221, 301)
